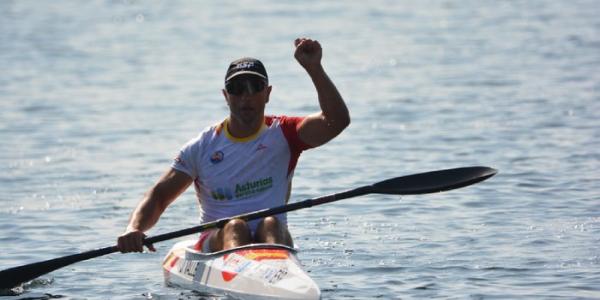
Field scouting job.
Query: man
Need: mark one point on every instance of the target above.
(246, 162)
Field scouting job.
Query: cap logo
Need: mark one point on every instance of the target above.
(245, 65)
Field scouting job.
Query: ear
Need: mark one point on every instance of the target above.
(225, 95)
(269, 89)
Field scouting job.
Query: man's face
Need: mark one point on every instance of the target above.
(246, 96)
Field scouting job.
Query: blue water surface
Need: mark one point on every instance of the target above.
(96, 97)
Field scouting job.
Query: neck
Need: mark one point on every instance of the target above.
(239, 129)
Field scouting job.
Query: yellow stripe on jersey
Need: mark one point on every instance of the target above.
(244, 139)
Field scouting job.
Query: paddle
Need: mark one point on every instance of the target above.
(423, 183)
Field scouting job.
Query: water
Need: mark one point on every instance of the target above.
(96, 97)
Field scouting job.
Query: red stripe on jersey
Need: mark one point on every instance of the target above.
(289, 126)
(220, 127)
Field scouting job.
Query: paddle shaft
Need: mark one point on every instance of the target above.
(259, 214)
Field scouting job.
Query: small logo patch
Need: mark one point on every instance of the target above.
(222, 194)
(179, 161)
(261, 147)
(217, 157)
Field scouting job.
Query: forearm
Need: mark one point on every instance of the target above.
(332, 104)
(149, 210)
(147, 213)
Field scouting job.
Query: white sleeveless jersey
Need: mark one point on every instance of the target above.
(234, 176)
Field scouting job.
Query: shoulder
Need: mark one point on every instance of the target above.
(211, 132)
(205, 136)
(289, 126)
(283, 121)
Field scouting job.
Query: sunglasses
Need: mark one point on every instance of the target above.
(251, 86)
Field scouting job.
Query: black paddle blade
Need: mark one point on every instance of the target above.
(13, 277)
(433, 182)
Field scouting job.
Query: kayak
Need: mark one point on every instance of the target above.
(255, 271)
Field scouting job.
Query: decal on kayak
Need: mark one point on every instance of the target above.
(260, 271)
(171, 261)
(246, 261)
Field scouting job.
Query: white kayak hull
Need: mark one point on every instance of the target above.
(257, 271)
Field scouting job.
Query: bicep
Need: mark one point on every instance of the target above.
(315, 130)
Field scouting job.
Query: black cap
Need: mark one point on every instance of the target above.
(246, 65)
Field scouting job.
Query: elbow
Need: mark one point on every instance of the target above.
(336, 122)
(339, 123)
(346, 121)
(343, 121)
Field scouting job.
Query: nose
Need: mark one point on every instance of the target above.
(245, 96)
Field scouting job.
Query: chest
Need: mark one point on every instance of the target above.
(223, 160)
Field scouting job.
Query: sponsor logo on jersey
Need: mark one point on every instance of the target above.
(217, 157)
(243, 190)
(251, 188)
(222, 194)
